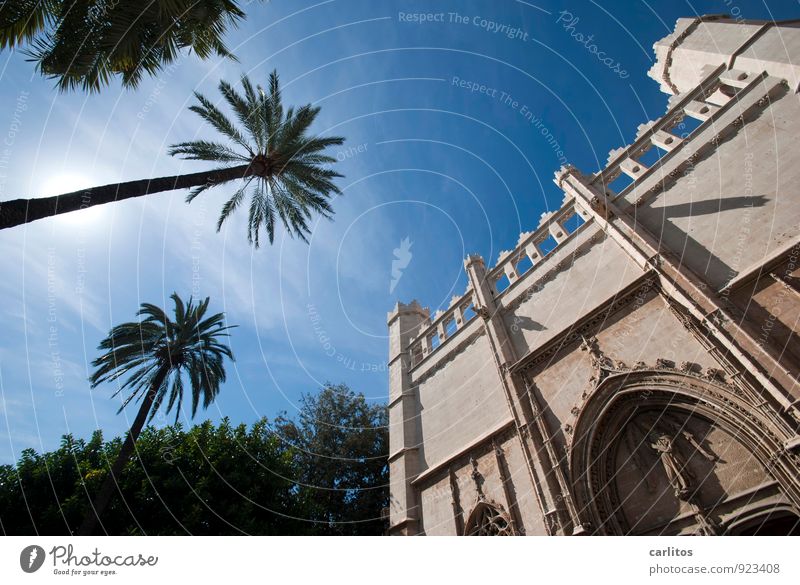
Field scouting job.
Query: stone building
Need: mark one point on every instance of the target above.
(631, 366)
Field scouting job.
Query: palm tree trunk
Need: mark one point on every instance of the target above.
(107, 490)
(20, 211)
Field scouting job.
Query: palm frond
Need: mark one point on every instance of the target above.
(290, 167)
(206, 150)
(165, 348)
(86, 43)
(214, 116)
(231, 205)
(275, 105)
(246, 111)
(22, 20)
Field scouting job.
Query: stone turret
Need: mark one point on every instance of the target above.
(698, 44)
(404, 322)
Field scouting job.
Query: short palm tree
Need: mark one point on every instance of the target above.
(283, 168)
(157, 354)
(85, 43)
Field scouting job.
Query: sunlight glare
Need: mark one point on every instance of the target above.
(68, 182)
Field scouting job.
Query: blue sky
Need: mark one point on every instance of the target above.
(455, 171)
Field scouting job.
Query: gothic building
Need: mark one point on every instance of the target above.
(631, 366)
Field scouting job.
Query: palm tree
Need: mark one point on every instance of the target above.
(85, 43)
(157, 353)
(289, 174)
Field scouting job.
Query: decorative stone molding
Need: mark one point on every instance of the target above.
(455, 500)
(587, 327)
(716, 375)
(503, 255)
(483, 312)
(601, 364)
(690, 368)
(669, 389)
(604, 366)
(551, 522)
(489, 519)
(477, 478)
(522, 237)
(677, 39)
(750, 101)
(564, 172)
(674, 99)
(540, 279)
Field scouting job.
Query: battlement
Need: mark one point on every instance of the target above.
(722, 102)
(718, 105)
(403, 308)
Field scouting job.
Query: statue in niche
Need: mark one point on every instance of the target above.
(665, 436)
(674, 466)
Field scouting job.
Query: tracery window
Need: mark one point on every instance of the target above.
(486, 520)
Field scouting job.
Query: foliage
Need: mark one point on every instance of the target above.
(209, 480)
(223, 479)
(340, 446)
(267, 151)
(286, 165)
(159, 351)
(85, 43)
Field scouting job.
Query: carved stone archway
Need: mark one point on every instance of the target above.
(609, 408)
(775, 521)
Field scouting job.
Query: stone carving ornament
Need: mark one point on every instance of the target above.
(487, 520)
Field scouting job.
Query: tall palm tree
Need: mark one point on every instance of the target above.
(85, 43)
(272, 152)
(157, 353)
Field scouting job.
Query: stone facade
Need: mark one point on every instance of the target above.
(631, 367)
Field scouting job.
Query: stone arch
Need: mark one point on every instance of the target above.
(609, 408)
(765, 521)
(488, 519)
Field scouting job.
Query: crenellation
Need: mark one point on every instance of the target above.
(641, 129)
(545, 217)
(614, 153)
(522, 237)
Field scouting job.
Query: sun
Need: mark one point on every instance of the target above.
(68, 182)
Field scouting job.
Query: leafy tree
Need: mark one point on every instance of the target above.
(329, 478)
(157, 354)
(86, 43)
(38, 495)
(340, 443)
(208, 480)
(272, 155)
